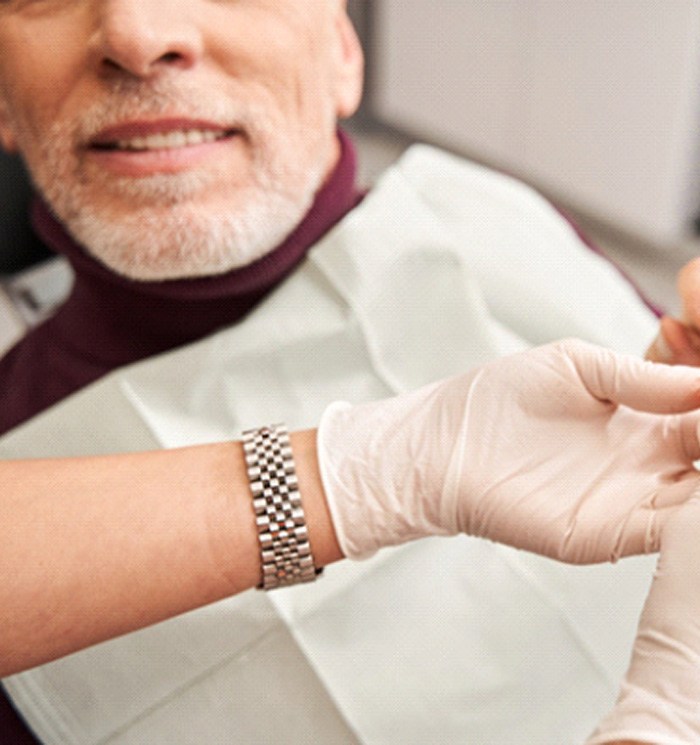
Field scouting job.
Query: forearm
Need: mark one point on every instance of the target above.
(92, 548)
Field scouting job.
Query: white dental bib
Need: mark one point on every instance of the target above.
(443, 266)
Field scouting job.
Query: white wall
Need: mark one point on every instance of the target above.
(597, 101)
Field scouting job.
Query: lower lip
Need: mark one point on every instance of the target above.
(138, 163)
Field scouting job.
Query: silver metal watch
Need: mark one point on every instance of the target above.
(282, 531)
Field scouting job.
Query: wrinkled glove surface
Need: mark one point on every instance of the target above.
(568, 450)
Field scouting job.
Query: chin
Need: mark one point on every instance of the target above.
(184, 241)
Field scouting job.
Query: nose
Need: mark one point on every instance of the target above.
(145, 37)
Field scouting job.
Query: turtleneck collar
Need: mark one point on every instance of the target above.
(112, 320)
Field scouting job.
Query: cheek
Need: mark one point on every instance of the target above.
(30, 116)
(14, 128)
(6, 134)
(306, 93)
(15, 109)
(8, 140)
(292, 65)
(310, 74)
(43, 61)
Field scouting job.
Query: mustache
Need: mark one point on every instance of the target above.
(136, 100)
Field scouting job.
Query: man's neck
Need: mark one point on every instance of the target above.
(109, 321)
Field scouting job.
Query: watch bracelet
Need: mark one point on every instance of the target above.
(279, 516)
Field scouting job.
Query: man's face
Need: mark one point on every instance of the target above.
(176, 138)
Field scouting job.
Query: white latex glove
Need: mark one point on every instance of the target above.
(659, 700)
(548, 450)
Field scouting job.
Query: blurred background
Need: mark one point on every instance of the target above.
(596, 103)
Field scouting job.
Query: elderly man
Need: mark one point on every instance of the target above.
(187, 159)
(173, 149)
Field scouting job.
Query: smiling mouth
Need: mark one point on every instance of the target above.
(165, 140)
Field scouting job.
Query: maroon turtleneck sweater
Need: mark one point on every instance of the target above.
(108, 321)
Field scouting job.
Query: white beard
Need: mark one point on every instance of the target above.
(168, 234)
(172, 243)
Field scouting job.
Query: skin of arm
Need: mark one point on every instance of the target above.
(179, 538)
(183, 537)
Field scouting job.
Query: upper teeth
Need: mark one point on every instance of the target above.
(167, 140)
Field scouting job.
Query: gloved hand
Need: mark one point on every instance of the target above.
(550, 450)
(659, 700)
